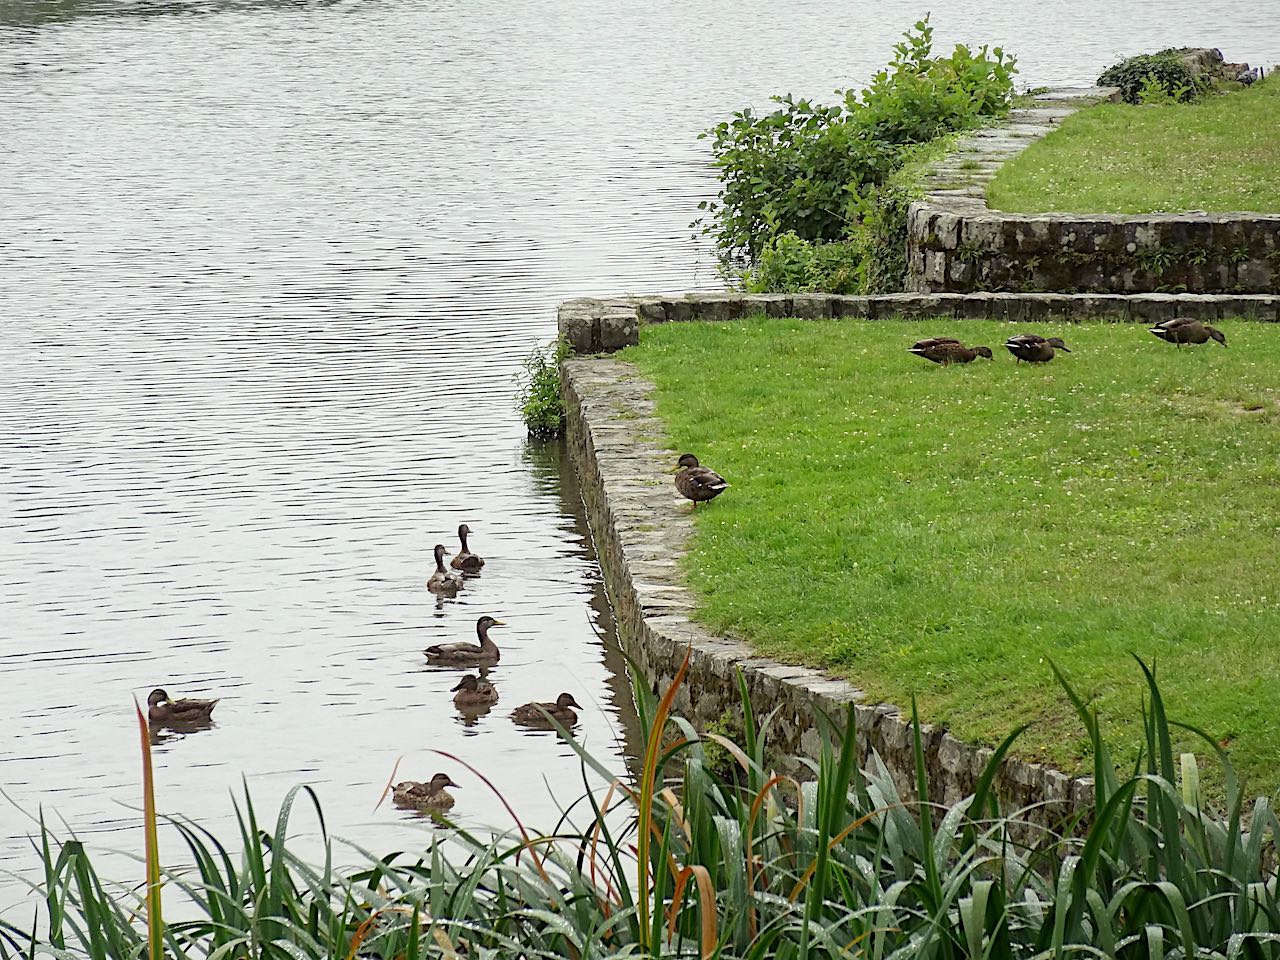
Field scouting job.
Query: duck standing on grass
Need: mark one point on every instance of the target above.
(1034, 348)
(424, 796)
(531, 715)
(162, 709)
(696, 482)
(947, 350)
(1182, 330)
(444, 582)
(462, 653)
(464, 559)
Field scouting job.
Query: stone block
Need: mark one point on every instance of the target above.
(651, 310)
(678, 310)
(579, 330)
(811, 306)
(617, 330)
(850, 307)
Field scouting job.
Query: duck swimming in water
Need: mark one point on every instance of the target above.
(468, 654)
(424, 796)
(464, 559)
(531, 715)
(444, 582)
(162, 709)
(472, 691)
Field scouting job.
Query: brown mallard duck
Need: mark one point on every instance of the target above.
(1182, 330)
(947, 350)
(472, 691)
(696, 482)
(531, 715)
(1034, 348)
(464, 559)
(447, 583)
(162, 709)
(424, 796)
(463, 653)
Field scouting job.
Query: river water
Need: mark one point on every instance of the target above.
(266, 272)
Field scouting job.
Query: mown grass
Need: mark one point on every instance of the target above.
(1219, 154)
(942, 532)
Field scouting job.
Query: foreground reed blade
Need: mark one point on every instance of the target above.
(155, 919)
(707, 853)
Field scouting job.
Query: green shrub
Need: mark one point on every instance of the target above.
(538, 393)
(789, 264)
(809, 170)
(1150, 74)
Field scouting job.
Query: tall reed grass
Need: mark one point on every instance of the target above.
(677, 862)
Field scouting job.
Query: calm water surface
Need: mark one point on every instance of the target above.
(266, 271)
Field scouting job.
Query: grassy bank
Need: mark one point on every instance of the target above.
(1219, 154)
(942, 532)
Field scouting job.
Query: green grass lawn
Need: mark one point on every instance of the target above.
(944, 531)
(1221, 154)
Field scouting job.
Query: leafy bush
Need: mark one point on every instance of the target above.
(810, 170)
(1148, 73)
(538, 393)
(791, 265)
(757, 866)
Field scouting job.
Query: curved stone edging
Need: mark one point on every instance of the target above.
(956, 243)
(602, 325)
(642, 529)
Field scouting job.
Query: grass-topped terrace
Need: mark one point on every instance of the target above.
(1218, 154)
(944, 532)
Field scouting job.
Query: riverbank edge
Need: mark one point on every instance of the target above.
(594, 325)
(642, 531)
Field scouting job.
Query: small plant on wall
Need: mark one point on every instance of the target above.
(538, 390)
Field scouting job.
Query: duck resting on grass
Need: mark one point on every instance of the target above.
(162, 709)
(444, 582)
(1034, 348)
(531, 715)
(464, 559)
(424, 796)
(1182, 330)
(696, 482)
(947, 350)
(468, 654)
(471, 691)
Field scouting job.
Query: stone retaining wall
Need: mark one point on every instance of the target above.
(603, 325)
(642, 529)
(956, 243)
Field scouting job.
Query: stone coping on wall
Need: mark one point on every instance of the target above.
(605, 324)
(642, 531)
(957, 243)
